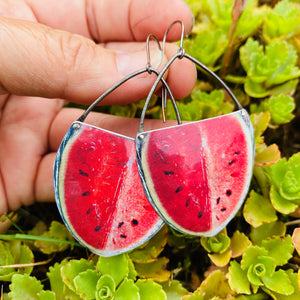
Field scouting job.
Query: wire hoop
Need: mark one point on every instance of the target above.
(148, 69)
(179, 55)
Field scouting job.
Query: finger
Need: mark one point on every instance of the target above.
(44, 187)
(120, 125)
(24, 128)
(130, 19)
(38, 61)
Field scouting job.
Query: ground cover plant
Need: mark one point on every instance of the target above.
(254, 46)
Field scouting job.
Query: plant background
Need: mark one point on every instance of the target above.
(254, 46)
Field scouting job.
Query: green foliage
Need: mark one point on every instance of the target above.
(202, 105)
(258, 210)
(25, 287)
(149, 252)
(258, 268)
(208, 46)
(56, 231)
(174, 289)
(269, 72)
(267, 230)
(285, 184)
(281, 22)
(281, 108)
(13, 255)
(207, 290)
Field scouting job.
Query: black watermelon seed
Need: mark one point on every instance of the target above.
(223, 209)
(97, 228)
(228, 192)
(134, 222)
(87, 193)
(89, 211)
(83, 173)
(120, 224)
(200, 214)
(180, 188)
(187, 203)
(237, 152)
(218, 200)
(123, 236)
(233, 161)
(168, 172)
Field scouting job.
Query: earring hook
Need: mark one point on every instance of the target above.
(179, 55)
(148, 51)
(181, 36)
(164, 93)
(148, 69)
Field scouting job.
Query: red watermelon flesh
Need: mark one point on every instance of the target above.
(99, 192)
(198, 174)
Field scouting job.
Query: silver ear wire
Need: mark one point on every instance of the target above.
(164, 92)
(179, 55)
(167, 32)
(148, 68)
(148, 51)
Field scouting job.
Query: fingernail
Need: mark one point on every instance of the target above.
(129, 62)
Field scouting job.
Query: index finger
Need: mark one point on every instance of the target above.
(106, 20)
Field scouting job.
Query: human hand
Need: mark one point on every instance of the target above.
(72, 50)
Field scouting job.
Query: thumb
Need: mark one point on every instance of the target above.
(39, 61)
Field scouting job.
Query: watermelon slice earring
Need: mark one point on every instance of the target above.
(97, 187)
(196, 175)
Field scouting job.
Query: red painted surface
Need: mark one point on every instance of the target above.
(104, 200)
(198, 173)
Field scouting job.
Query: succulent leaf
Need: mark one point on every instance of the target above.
(174, 289)
(127, 290)
(105, 288)
(56, 282)
(267, 230)
(237, 279)
(115, 266)
(56, 231)
(208, 290)
(149, 290)
(150, 251)
(85, 284)
(279, 282)
(239, 244)
(217, 244)
(14, 253)
(155, 270)
(266, 69)
(279, 248)
(27, 287)
(258, 210)
(72, 268)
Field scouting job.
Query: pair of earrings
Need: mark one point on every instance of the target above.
(115, 192)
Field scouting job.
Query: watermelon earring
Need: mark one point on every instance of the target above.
(196, 175)
(97, 187)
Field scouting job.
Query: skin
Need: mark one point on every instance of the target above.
(53, 51)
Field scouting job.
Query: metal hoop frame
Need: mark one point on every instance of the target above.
(148, 69)
(179, 55)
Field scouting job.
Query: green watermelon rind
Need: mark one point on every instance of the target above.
(141, 142)
(67, 142)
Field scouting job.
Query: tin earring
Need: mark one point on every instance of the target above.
(97, 187)
(196, 175)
